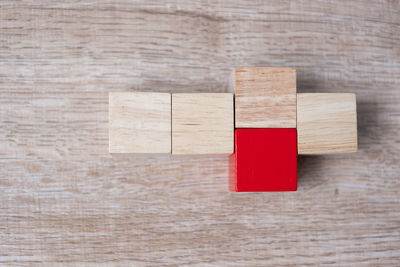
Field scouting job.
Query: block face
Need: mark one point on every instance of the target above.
(265, 97)
(139, 122)
(202, 123)
(326, 123)
(265, 160)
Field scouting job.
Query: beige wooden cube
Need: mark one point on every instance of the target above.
(139, 122)
(326, 123)
(265, 97)
(202, 123)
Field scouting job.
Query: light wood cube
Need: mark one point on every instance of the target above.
(202, 123)
(139, 122)
(265, 97)
(326, 123)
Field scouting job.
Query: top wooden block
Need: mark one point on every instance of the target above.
(265, 97)
(202, 123)
(326, 123)
(139, 122)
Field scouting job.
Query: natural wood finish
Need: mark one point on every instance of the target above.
(66, 201)
(202, 123)
(326, 123)
(139, 122)
(265, 97)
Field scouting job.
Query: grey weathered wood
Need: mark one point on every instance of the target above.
(65, 200)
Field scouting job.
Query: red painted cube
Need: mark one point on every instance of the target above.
(264, 160)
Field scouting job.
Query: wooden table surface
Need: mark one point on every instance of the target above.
(66, 201)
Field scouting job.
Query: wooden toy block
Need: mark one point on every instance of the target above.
(202, 123)
(265, 97)
(326, 123)
(139, 122)
(264, 160)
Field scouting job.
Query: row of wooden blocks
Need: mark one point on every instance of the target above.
(204, 123)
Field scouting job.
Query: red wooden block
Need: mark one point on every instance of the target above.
(264, 160)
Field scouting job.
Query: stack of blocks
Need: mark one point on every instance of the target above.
(265, 125)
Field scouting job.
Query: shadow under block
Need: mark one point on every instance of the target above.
(139, 122)
(265, 97)
(264, 160)
(326, 123)
(202, 123)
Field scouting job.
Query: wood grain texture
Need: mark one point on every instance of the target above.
(202, 123)
(265, 97)
(66, 201)
(326, 123)
(139, 122)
